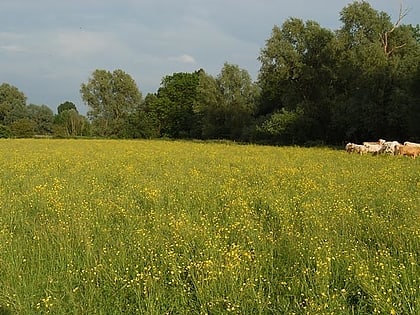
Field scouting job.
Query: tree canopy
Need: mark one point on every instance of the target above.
(352, 84)
(67, 105)
(226, 103)
(111, 98)
(12, 104)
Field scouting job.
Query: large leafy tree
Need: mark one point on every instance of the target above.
(12, 104)
(208, 107)
(357, 83)
(297, 80)
(144, 122)
(226, 104)
(172, 106)
(68, 122)
(378, 60)
(43, 118)
(23, 128)
(67, 105)
(111, 98)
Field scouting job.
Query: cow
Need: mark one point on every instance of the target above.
(357, 148)
(414, 144)
(390, 147)
(361, 149)
(374, 147)
(349, 147)
(408, 150)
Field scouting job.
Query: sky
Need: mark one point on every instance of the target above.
(48, 48)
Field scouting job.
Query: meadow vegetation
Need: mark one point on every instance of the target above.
(171, 227)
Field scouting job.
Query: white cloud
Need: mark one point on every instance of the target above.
(12, 48)
(183, 59)
(82, 43)
(10, 36)
(12, 42)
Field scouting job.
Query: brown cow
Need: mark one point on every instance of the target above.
(408, 150)
(413, 144)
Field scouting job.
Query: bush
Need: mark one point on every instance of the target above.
(23, 128)
(4, 132)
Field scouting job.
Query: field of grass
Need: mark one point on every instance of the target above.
(160, 227)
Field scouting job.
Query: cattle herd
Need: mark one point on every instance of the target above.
(382, 146)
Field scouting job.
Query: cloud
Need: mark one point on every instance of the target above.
(12, 42)
(82, 43)
(183, 59)
(12, 48)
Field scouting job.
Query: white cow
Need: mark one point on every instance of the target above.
(391, 147)
(361, 149)
(374, 147)
(349, 147)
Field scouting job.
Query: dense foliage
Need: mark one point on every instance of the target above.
(361, 81)
(111, 98)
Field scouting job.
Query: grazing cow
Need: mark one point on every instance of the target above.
(374, 147)
(357, 148)
(349, 147)
(413, 144)
(361, 149)
(390, 147)
(408, 150)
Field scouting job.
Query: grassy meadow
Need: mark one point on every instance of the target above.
(167, 227)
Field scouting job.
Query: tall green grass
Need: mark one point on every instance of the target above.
(159, 227)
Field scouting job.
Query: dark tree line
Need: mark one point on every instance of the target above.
(356, 83)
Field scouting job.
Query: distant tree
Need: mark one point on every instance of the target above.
(226, 104)
(69, 123)
(23, 128)
(43, 118)
(356, 83)
(144, 123)
(5, 131)
(297, 77)
(111, 97)
(66, 106)
(209, 108)
(173, 104)
(12, 104)
(378, 61)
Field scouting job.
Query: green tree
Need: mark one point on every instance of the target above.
(5, 131)
(377, 62)
(281, 126)
(227, 103)
(69, 123)
(43, 118)
(173, 105)
(67, 105)
(12, 104)
(72, 124)
(23, 128)
(297, 77)
(144, 122)
(111, 97)
(208, 108)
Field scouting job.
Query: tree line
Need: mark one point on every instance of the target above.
(314, 85)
